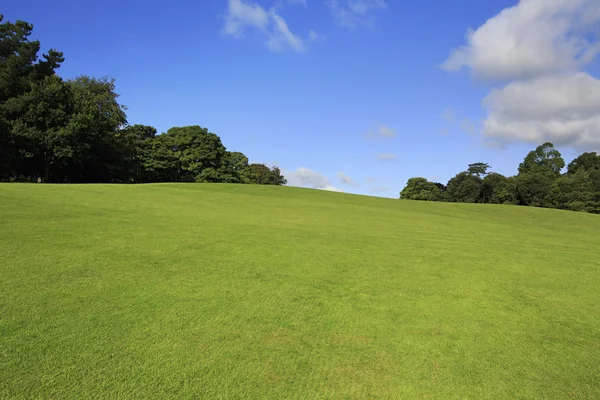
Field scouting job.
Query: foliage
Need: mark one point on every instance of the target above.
(76, 130)
(539, 183)
(21, 72)
(586, 161)
(478, 169)
(494, 189)
(262, 175)
(420, 189)
(545, 159)
(464, 188)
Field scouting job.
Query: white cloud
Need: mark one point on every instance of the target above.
(448, 114)
(354, 13)
(306, 177)
(242, 15)
(331, 188)
(313, 36)
(281, 36)
(539, 48)
(532, 38)
(245, 15)
(382, 132)
(345, 179)
(562, 109)
(386, 156)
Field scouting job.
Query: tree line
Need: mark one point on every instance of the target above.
(540, 182)
(57, 130)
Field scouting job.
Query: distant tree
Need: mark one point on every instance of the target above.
(159, 160)
(586, 161)
(532, 188)
(493, 188)
(420, 189)
(478, 169)
(235, 168)
(96, 122)
(136, 148)
(464, 188)
(262, 175)
(199, 153)
(277, 177)
(545, 159)
(573, 192)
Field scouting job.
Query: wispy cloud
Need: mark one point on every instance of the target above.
(314, 36)
(351, 14)
(382, 132)
(386, 156)
(449, 114)
(305, 177)
(245, 16)
(345, 179)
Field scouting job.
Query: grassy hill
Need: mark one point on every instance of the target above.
(223, 291)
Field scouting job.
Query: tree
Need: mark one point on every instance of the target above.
(478, 169)
(532, 188)
(420, 189)
(235, 168)
(20, 71)
(136, 140)
(260, 174)
(493, 188)
(96, 122)
(199, 153)
(159, 161)
(464, 188)
(42, 125)
(573, 191)
(545, 159)
(586, 161)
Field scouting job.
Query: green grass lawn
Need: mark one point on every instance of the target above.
(222, 291)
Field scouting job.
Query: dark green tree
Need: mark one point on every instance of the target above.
(277, 177)
(586, 161)
(420, 189)
(493, 188)
(464, 188)
(235, 168)
(260, 174)
(20, 71)
(159, 160)
(478, 169)
(532, 188)
(136, 144)
(545, 159)
(96, 122)
(41, 126)
(199, 153)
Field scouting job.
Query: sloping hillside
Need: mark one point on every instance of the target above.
(225, 291)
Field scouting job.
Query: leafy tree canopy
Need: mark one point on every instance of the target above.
(545, 159)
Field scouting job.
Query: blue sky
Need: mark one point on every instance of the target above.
(350, 95)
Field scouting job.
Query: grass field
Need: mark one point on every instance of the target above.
(221, 291)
